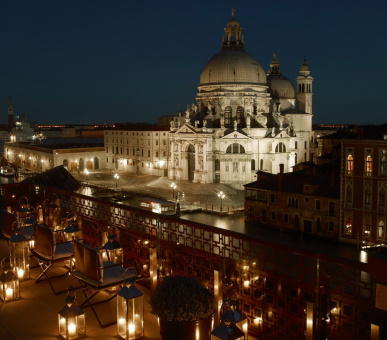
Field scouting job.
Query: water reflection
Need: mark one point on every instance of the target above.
(235, 222)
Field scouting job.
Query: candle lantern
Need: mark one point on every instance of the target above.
(19, 254)
(235, 314)
(112, 250)
(9, 284)
(72, 230)
(130, 311)
(71, 318)
(224, 332)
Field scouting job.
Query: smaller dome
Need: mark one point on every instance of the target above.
(280, 87)
(233, 23)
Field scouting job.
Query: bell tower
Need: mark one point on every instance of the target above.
(304, 89)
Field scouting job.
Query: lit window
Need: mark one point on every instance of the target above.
(348, 226)
(369, 166)
(381, 229)
(350, 165)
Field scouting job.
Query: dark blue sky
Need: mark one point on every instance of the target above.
(105, 61)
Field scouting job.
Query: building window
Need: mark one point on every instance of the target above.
(350, 165)
(112, 149)
(107, 159)
(306, 199)
(253, 164)
(348, 226)
(382, 197)
(217, 164)
(305, 145)
(164, 142)
(157, 154)
(318, 225)
(148, 153)
(383, 163)
(331, 227)
(157, 142)
(273, 215)
(369, 166)
(381, 229)
(295, 145)
(367, 230)
(318, 205)
(286, 218)
(164, 153)
(272, 198)
(107, 150)
(240, 115)
(235, 148)
(367, 195)
(348, 193)
(227, 115)
(280, 148)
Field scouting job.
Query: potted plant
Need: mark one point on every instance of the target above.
(184, 307)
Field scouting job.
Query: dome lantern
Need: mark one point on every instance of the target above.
(233, 38)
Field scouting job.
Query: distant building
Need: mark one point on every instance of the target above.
(305, 201)
(75, 154)
(137, 148)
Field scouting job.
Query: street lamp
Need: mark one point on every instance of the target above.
(116, 176)
(86, 174)
(173, 186)
(221, 196)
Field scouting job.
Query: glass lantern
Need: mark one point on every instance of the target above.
(72, 230)
(71, 318)
(233, 313)
(19, 254)
(9, 284)
(112, 250)
(224, 332)
(130, 311)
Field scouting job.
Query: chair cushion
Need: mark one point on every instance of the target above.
(63, 250)
(112, 276)
(44, 241)
(88, 261)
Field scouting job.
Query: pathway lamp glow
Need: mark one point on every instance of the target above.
(71, 318)
(173, 186)
(116, 176)
(9, 284)
(130, 311)
(221, 195)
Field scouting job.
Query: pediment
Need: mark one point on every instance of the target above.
(239, 134)
(186, 129)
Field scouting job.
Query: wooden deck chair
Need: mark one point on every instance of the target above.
(95, 275)
(47, 251)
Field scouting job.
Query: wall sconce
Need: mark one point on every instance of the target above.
(71, 318)
(9, 284)
(130, 311)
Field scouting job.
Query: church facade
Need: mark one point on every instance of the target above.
(245, 119)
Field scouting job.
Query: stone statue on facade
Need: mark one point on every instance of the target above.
(204, 123)
(188, 111)
(194, 108)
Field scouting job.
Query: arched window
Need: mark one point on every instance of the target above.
(280, 148)
(235, 148)
(253, 164)
(381, 229)
(348, 225)
(369, 166)
(348, 194)
(350, 165)
(382, 197)
(303, 88)
(383, 164)
(367, 196)
(227, 115)
(299, 87)
(240, 115)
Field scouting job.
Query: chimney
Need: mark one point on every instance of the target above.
(279, 176)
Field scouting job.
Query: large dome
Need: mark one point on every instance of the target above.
(233, 66)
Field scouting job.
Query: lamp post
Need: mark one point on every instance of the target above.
(221, 196)
(116, 176)
(173, 186)
(86, 174)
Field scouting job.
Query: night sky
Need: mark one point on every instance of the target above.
(106, 61)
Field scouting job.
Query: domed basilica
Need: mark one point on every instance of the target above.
(245, 119)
